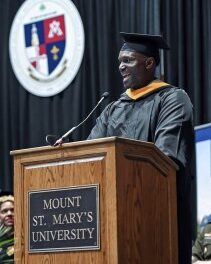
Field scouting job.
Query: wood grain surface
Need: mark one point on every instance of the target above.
(137, 182)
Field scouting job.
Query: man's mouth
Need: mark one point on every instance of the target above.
(9, 221)
(125, 76)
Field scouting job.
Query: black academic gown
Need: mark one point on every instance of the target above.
(164, 117)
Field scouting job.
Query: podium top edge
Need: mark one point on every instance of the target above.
(97, 141)
(78, 143)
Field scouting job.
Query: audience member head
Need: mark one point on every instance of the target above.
(6, 209)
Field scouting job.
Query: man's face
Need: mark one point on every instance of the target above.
(7, 213)
(132, 68)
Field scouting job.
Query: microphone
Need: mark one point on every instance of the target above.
(52, 139)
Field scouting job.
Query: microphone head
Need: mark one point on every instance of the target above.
(105, 94)
(51, 139)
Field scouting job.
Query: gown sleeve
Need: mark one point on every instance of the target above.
(174, 133)
(100, 128)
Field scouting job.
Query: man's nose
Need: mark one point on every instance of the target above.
(122, 66)
(10, 212)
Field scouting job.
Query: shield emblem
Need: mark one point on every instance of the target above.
(45, 43)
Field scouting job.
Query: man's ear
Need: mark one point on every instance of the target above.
(150, 63)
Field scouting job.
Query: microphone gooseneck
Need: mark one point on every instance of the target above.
(51, 139)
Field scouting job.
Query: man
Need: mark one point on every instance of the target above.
(7, 210)
(154, 111)
(201, 251)
(6, 228)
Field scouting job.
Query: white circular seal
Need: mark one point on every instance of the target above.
(46, 45)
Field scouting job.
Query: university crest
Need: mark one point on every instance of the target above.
(46, 45)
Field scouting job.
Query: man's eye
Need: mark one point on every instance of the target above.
(127, 60)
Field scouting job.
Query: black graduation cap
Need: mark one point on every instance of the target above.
(147, 44)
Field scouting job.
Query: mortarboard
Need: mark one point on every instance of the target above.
(144, 43)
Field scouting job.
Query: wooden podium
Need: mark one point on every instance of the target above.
(137, 200)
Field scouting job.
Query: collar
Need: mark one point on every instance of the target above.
(151, 87)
